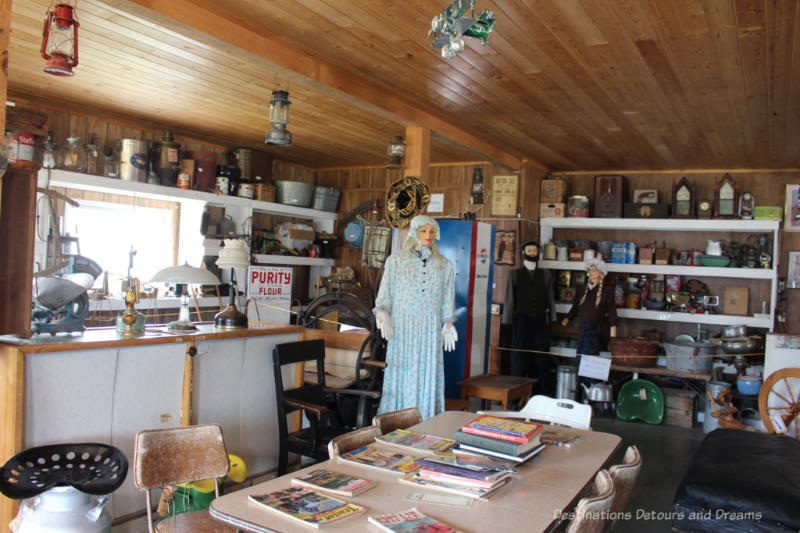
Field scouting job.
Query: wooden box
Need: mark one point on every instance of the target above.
(551, 210)
(680, 407)
(609, 195)
(645, 210)
(735, 300)
(662, 256)
(646, 255)
(553, 191)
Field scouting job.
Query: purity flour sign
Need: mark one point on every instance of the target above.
(270, 286)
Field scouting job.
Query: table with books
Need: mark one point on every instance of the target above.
(531, 476)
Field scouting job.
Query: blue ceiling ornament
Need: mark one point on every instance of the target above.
(451, 26)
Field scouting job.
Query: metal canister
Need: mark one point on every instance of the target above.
(578, 206)
(566, 382)
(132, 160)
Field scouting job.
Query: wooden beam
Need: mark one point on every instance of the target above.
(12, 377)
(418, 153)
(17, 232)
(308, 70)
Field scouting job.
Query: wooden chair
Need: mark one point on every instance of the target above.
(164, 457)
(353, 440)
(593, 511)
(400, 419)
(624, 477)
(553, 411)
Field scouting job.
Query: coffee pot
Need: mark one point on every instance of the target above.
(166, 156)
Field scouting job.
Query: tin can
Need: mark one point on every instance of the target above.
(184, 180)
(25, 142)
(223, 185)
(132, 160)
(245, 190)
(578, 206)
(630, 251)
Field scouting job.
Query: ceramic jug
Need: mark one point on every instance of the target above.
(714, 248)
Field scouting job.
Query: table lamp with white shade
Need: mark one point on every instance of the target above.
(185, 274)
(232, 255)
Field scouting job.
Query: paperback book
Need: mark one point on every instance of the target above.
(475, 466)
(416, 442)
(334, 482)
(376, 457)
(306, 506)
(519, 459)
(410, 521)
(421, 482)
(497, 445)
(502, 428)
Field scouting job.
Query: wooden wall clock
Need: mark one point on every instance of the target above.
(726, 198)
(683, 200)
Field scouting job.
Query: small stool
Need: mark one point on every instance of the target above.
(497, 387)
(456, 404)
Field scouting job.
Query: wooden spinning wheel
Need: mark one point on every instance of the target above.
(780, 395)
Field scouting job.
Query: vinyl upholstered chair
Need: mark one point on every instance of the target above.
(624, 476)
(593, 511)
(558, 411)
(400, 419)
(353, 440)
(164, 457)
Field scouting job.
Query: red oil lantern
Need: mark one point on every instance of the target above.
(60, 40)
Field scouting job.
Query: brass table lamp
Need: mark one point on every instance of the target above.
(233, 255)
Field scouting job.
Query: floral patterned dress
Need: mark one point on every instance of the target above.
(419, 295)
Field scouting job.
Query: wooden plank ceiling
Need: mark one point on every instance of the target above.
(567, 84)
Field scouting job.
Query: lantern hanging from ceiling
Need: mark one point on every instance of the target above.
(396, 151)
(278, 118)
(60, 40)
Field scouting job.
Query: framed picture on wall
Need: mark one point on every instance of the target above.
(792, 219)
(505, 247)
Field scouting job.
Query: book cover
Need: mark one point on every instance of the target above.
(414, 441)
(519, 459)
(410, 521)
(477, 467)
(372, 455)
(307, 506)
(502, 428)
(497, 445)
(415, 480)
(437, 475)
(334, 482)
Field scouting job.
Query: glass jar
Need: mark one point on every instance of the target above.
(72, 155)
(93, 157)
(110, 162)
(48, 155)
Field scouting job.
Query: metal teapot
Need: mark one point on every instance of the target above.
(598, 392)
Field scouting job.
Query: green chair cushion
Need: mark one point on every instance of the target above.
(639, 399)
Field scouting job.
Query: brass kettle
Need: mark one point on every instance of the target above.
(167, 158)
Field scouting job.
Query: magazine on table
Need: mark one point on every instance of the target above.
(376, 457)
(479, 467)
(519, 459)
(410, 521)
(502, 428)
(416, 442)
(306, 506)
(334, 482)
(560, 439)
(416, 480)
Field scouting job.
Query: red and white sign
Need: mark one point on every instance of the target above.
(270, 285)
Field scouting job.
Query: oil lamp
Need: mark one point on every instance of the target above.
(60, 40)
(396, 151)
(279, 118)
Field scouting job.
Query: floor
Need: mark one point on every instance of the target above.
(666, 453)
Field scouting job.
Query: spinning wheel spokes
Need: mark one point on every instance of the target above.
(777, 398)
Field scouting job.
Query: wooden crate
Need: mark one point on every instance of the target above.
(680, 407)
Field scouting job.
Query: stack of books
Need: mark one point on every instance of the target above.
(514, 440)
(468, 475)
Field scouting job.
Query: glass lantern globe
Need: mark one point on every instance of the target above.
(396, 151)
(279, 118)
(60, 40)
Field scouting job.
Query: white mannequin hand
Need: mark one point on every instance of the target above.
(384, 323)
(450, 337)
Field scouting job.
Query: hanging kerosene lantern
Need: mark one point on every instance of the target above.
(60, 40)
(396, 151)
(279, 118)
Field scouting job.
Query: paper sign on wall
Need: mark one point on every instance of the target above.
(270, 285)
(594, 367)
(437, 203)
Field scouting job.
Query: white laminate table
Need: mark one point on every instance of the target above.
(549, 484)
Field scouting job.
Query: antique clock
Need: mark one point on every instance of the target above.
(683, 205)
(726, 198)
(609, 196)
(703, 209)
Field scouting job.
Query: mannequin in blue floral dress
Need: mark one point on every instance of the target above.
(415, 313)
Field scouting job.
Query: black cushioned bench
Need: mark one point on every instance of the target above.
(740, 481)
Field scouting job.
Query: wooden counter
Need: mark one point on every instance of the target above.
(100, 387)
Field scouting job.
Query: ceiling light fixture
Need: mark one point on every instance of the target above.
(451, 26)
(396, 151)
(60, 40)
(279, 118)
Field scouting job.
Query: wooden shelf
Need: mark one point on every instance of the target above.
(662, 224)
(691, 271)
(292, 260)
(688, 318)
(660, 371)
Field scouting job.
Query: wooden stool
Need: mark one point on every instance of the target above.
(499, 388)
